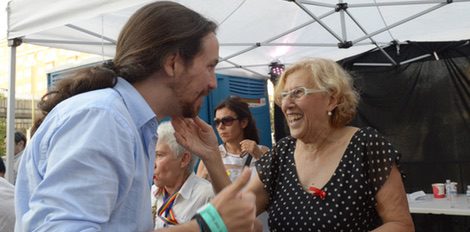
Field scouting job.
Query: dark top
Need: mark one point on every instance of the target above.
(350, 201)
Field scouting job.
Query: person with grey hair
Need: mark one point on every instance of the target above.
(177, 192)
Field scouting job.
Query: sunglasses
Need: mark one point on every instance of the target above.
(226, 121)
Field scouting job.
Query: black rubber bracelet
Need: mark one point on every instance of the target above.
(202, 224)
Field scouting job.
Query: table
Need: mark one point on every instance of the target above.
(430, 205)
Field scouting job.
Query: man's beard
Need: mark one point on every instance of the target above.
(189, 110)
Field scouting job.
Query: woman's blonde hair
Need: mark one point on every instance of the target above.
(328, 75)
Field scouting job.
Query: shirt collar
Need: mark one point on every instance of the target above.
(139, 109)
(188, 186)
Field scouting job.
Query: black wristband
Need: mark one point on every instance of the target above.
(202, 224)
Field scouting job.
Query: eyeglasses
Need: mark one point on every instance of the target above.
(226, 121)
(299, 92)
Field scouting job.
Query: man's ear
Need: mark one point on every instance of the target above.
(169, 65)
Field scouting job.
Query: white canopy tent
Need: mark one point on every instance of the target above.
(252, 33)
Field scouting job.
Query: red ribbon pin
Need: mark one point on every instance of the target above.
(317, 192)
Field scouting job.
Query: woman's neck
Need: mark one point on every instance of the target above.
(317, 142)
(233, 147)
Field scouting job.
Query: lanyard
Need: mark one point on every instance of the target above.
(165, 212)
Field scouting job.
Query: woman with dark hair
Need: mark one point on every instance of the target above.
(237, 129)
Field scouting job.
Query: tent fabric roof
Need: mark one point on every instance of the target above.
(252, 33)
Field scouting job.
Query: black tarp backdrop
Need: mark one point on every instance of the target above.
(423, 108)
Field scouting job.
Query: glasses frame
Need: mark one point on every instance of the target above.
(306, 91)
(226, 121)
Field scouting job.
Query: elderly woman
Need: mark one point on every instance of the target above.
(177, 192)
(326, 176)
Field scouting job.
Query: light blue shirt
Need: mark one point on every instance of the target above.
(89, 166)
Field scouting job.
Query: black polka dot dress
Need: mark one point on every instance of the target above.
(350, 201)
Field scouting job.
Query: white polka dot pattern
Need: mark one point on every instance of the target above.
(350, 201)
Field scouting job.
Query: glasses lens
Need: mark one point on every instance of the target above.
(298, 93)
(284, 95)
(226, 121)
(295, 93)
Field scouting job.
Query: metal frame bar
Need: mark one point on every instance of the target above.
(398, 3)
(343, 23)
(317, 3)
(46, 41)
(389, 64)
(370, 38)
(415, 59)
(276, 37)
(244, 68)
(91, 33)
(281, 44)
(11, 115)
(399, 22)
(373, 64)
(299, 44)
(319, 21)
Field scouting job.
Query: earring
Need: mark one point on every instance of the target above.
(329, 113)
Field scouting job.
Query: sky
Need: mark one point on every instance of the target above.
(3, 19)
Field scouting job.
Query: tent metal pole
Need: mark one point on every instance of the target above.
(374, 64)
(46, 41)
(246, 66)
(317, 3)
(370, 38)
(282, 44)
(399, 22)
(319, 21)
(343, 23)
(256, 45)
(246, 69)
(11, 111)
(400, 3)
(415, 59)
(99, 36)
(297, 44)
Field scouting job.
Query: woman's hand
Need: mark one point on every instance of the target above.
(249, 146)
(199, 138)
(196, 136)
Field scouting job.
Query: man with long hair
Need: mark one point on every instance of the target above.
(89, 165)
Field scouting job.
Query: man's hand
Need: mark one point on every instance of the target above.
(237, 208)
